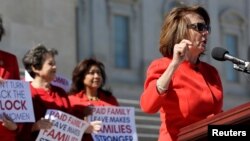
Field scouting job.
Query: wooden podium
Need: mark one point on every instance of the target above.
(198, 131)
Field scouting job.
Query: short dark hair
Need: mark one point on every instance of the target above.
(35, 58)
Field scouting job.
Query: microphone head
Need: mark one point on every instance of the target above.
(218, 53)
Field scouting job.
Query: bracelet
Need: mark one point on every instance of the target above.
(159, 87)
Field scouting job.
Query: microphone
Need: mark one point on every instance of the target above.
(222, 54)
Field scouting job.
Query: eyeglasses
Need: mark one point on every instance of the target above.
(200, 27)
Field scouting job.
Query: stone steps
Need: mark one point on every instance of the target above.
(147, 125)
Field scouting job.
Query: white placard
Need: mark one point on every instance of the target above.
(16, 101)
(59, 81)
(118, 123)
(65, 127)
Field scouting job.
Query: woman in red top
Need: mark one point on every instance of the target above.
(87, 89)
(179, 85)
(41, 65)
(8, 70)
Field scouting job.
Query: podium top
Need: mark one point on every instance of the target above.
(237, 115)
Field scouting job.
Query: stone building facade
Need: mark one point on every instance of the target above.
(124, 35)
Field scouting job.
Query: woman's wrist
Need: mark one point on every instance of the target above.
(161, 89)
(35, 127)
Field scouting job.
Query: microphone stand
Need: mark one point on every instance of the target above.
(245, 69)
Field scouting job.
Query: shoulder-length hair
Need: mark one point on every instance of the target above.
(174, 27)
(81, 70)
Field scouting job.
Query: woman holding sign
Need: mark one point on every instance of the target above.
(8, 70)
(41, 65)
(87, 89)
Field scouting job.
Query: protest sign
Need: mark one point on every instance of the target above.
(59, 81)
(118, 123)
(65, 127)
(62, 82)
(16, 101)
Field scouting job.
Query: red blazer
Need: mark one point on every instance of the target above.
(194, 93)
(55, 98)
(8, 70)
(79, 101)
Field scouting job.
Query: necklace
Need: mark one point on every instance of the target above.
(92, 98)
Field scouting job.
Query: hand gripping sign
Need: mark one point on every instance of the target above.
(65, 127)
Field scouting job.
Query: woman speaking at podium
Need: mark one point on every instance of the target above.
(179, 85)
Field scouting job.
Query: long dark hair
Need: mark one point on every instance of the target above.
(81, 70)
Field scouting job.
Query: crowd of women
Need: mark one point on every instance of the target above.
(179, 85)
(87, 90)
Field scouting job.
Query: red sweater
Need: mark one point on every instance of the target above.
(8, 66)
(194, 93)
(79, 101)
(8, 70)
(56, 98)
